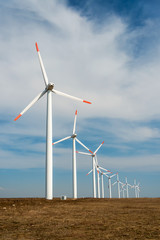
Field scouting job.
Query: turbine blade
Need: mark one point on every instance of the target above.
(42, 66)
(121, 183)
(113, 175)
(98, 170)
(31, 104)
(89, 172)
(106, 174)
(84, 153)
(75, 119)
(61, 140)
(99, 147)
(69, 96)
(83, 145)
(114, 183)
(105, 169)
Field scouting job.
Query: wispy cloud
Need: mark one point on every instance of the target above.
(83, 58)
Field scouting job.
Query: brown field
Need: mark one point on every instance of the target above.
(80, 219)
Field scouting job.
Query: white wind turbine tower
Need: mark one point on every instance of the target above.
(118, 185)
(98, 176)
(102, 185)
(49, 88)
(135, 188)
(127, 184)
(109, 183)
(102, 181)
(74, 168)
(93, 155)
(98, 179)
(138, 189)
(127, 187)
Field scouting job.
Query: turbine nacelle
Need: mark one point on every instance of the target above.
(50, 86)
(74, 135)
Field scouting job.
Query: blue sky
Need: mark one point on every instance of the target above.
(106, 52)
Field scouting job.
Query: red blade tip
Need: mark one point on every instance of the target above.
(86, 102)
(102, 142)
(37, 47)
(76, 112)
(90, 151)
(17, 117)
(76, 151)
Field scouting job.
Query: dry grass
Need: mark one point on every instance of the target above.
(80, 219)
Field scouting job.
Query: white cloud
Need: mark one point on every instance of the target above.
(145, 163)
(83, 59)
(135, 133)
(79, 58)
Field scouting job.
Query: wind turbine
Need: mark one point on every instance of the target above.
(118, 185)
(109, 183)
(74, 168)
(102, 171)
(138, 190)
(127, 184)
(49, 88)
(123, 189)
(135, 188)
(93, 155)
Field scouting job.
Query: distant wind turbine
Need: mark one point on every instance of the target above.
(109, 183)
(127, 185)
(93, 155)
(118, 185)
(102, 172)
(136, 188)
(123, 189)
(74, 168)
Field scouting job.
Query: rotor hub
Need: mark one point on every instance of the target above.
(50, 86)
(74, 135)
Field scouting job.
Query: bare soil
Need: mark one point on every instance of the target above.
(80, 219)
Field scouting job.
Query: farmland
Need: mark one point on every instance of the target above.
(36, 218)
